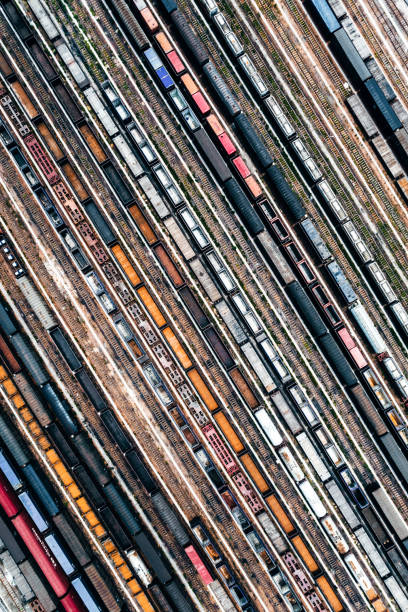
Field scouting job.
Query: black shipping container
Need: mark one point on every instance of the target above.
(30, 359)
(113, 527)
(122, 508)
(116, 431)
(221, 89)
(65, 349)
(303, 303)
(67, 102)
(178, 598)
(152, 557)
(91, 458)
(60, 409)
(337, 360)
(6, 322)
(243, 206)
(41, 490)
(376, 527)
(170, 519)
(117, 183)
(399, 564)
(9, 439)
(219, 348)
(130, 24)
(88, 486)
(90, 389)
(71, 539)
(100, 223)
(17, 20)
(11, 543)
(160, 598)
(193, 307)
(140, 470)
(250, 136)
(379, 103)
(42, 60)
(370, 414)
(214, 158)
(41, 591)
(169, 5)
(285, 194)
(192, 42)
(396, 454)
(62, 445)
(349, 58)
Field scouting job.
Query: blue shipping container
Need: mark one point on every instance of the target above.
(165, 78)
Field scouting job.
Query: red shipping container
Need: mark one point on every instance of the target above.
(201, 102)
(8, 356)
(241, 167)
(176, 62)
(72, 602)
(346, 338)
(8, 500)
(227, 143)
(198, 564)
(358, 357)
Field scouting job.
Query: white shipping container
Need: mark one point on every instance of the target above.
(391, 512)
(179, 238)
(312, 455)
(153, 196)
(128, 155)
(291, 463)
(368, 328)
(401, 314)
(397, 593)
(312, 499)
(140, 568)
(44, 18)
(37, 303)
(99, 108)
(272, 531)
(268, 427)
(362, 115)
(371, 551)
(342, 504)
(358, 572)
(221, 596)
(335, 535)
(260, 370)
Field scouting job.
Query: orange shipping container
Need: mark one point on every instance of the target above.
(169, 266)
(253, 186)
(142, 224)
(243, 388)
(279, 513)
(9, 387)
(254, 472)
(74, 181)
(329, 594)
(151, 306)
(3, 374)
(379, 606)
(50, 140)
(189, 84)
(144, 603)
(91, 518)
(125, 571)
(99, 530)
(215, 125)
(83, 505)
(34, 428)
(24, 99)
(18, 401)
(305, 554)
(228, 432)
(126, 265)
(92, 143)
(164, 42)
(202, 390)
(176, 347)
(134, 586)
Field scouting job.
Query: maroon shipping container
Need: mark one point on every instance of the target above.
(8, 356)
(169, 266)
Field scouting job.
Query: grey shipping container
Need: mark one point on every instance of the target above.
(250, 136)
(100, 223)
(337, 360)
(396, 453)
(221, 596)
(169, 518)
(65, 349)
(90, 389)
(360, 113)
(60, 409)
(67, 102)
(122, 508)
(6, 324)
(37, 302)
(87, 483)
(71, 538)
(219, 348)
(194, 308)
(323, 15)
(178, 598)
(91, 458)
(243, 206)
(286, 195)
(192, 42)
(371, 551)
(11, 442)
(41, 60)
(205, 280)
(304, 304)
(117, 183)
(11, 543)
(37, 586)
(140, 470)
(179, 238)
(221, 89)
(30, 359)
(350, 60)
(115, 430)
(380, 104)
(154, 197)
(378, 75)
(387, 156)
(341, 281)
(315, 238)
(213, 157)
(342, 504)
(41, 490)
(399, 563)
(130, 23)
(103, 589)
(231, 322)
(370, 415)
(152, 557)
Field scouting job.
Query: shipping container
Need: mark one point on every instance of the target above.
(41, 592)
(102, 587)
(90, 390)
(380, 105)
(24, 99)
(337, 360)
(91, 458)
(176, 347)
(288, 198)
(168, 265)
(202, 389)
(221, 89)
(8, 357)
(250, 136)
(369, 414)
(154, 197)
(212, 155)
(142, 224)
(342, 504)
(190, 40)
(122, 508)
(93, 143)
(67, 102)
(243, 387)
(66, 350)
(243, 207)
(170, 518)
(151, 306)
(126, 265)
(30, 359)
(391, 513)
(140, 470)
(329, 594)
(116, 181)
(219, 348)
(228, 431)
